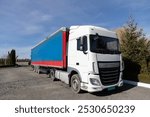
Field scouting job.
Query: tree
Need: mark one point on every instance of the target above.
(11, 57)
(134, 45)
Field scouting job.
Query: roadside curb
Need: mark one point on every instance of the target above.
(137, 83)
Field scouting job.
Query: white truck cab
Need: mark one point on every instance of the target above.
(94, 59)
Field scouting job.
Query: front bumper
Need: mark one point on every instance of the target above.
(94, 88)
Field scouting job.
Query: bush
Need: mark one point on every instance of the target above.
(131, 71)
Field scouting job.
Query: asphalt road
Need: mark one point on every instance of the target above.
(21, 83)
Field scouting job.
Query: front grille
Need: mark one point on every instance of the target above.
(109, 75)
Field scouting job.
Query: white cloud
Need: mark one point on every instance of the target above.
(46, 17)
(37, 16)
(31, 29)
(33, 22)
(19, 18)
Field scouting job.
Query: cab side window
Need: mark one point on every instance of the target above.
(78, 43)
(82, 43)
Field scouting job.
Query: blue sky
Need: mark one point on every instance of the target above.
(24, 23)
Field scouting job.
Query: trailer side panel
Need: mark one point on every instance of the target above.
(51, 52)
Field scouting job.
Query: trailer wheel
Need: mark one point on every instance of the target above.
(38, 71)
(52, 74)
(34, 69)
(75, 83)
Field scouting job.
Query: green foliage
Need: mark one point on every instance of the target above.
(134, 45)
(144, 77)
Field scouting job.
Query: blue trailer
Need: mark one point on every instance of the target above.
(52, 51)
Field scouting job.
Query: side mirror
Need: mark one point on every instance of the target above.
(82, 44)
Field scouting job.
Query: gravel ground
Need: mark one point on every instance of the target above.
(21, 83)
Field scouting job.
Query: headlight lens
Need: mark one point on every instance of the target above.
(94, 81)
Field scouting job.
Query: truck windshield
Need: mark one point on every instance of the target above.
(103, 44)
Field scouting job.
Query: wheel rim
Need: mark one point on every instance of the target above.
(52, 75)
(75, 84)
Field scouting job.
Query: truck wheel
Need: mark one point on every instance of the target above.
(52, 74)
(38, 71)
(75, 83)
(34, 69)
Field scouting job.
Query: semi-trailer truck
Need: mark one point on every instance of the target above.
(85, 57)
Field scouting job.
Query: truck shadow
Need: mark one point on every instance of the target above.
(131, 71)
(125, 87)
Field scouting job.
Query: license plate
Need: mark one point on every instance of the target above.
(111, 88)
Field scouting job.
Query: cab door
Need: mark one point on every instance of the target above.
(82, 57)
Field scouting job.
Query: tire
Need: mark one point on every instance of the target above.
(76, 83)
(38, 71)
(52, 74)
(34, 69)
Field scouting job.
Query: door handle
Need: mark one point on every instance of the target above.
(77, 63)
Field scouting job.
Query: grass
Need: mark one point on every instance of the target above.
(144, 77)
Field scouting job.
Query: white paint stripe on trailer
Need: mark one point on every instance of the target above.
(146, 85)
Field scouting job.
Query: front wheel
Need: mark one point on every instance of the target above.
(76, 83)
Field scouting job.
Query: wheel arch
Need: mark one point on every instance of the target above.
(71, 74)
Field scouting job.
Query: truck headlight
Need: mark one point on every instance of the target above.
(94, 67)
(94, 81)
